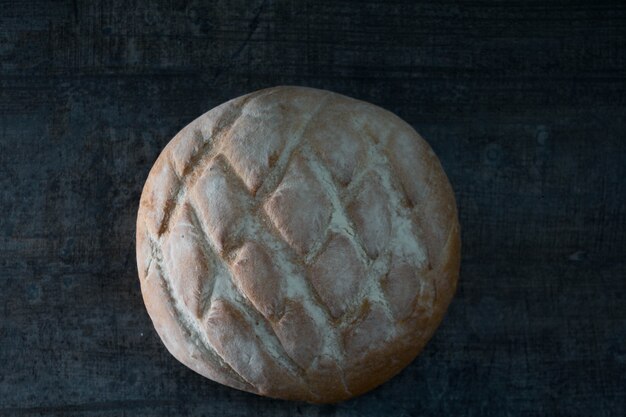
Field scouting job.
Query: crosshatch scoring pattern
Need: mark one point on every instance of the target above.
(297, 243)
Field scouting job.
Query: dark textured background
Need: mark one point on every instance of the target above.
(523, 101)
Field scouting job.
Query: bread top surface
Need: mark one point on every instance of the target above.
(298, 244)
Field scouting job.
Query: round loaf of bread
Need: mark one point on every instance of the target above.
(298, 244)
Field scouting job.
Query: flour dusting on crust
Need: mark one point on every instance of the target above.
(307, 244)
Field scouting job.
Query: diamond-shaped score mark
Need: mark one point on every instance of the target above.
(370, 213)
(370, 330)
(257, 145)
(184, 258)
(400, 286)
(338, 275)
(299, 208)
(339, 144)
(219, 205)
(298, 334)
(258, 279)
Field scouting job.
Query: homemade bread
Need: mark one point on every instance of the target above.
(298, 244)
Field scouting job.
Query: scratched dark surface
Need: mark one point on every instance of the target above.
(523, 101)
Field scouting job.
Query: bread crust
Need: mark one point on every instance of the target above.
(298, 244)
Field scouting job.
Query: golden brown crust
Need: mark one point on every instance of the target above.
(298, 244)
